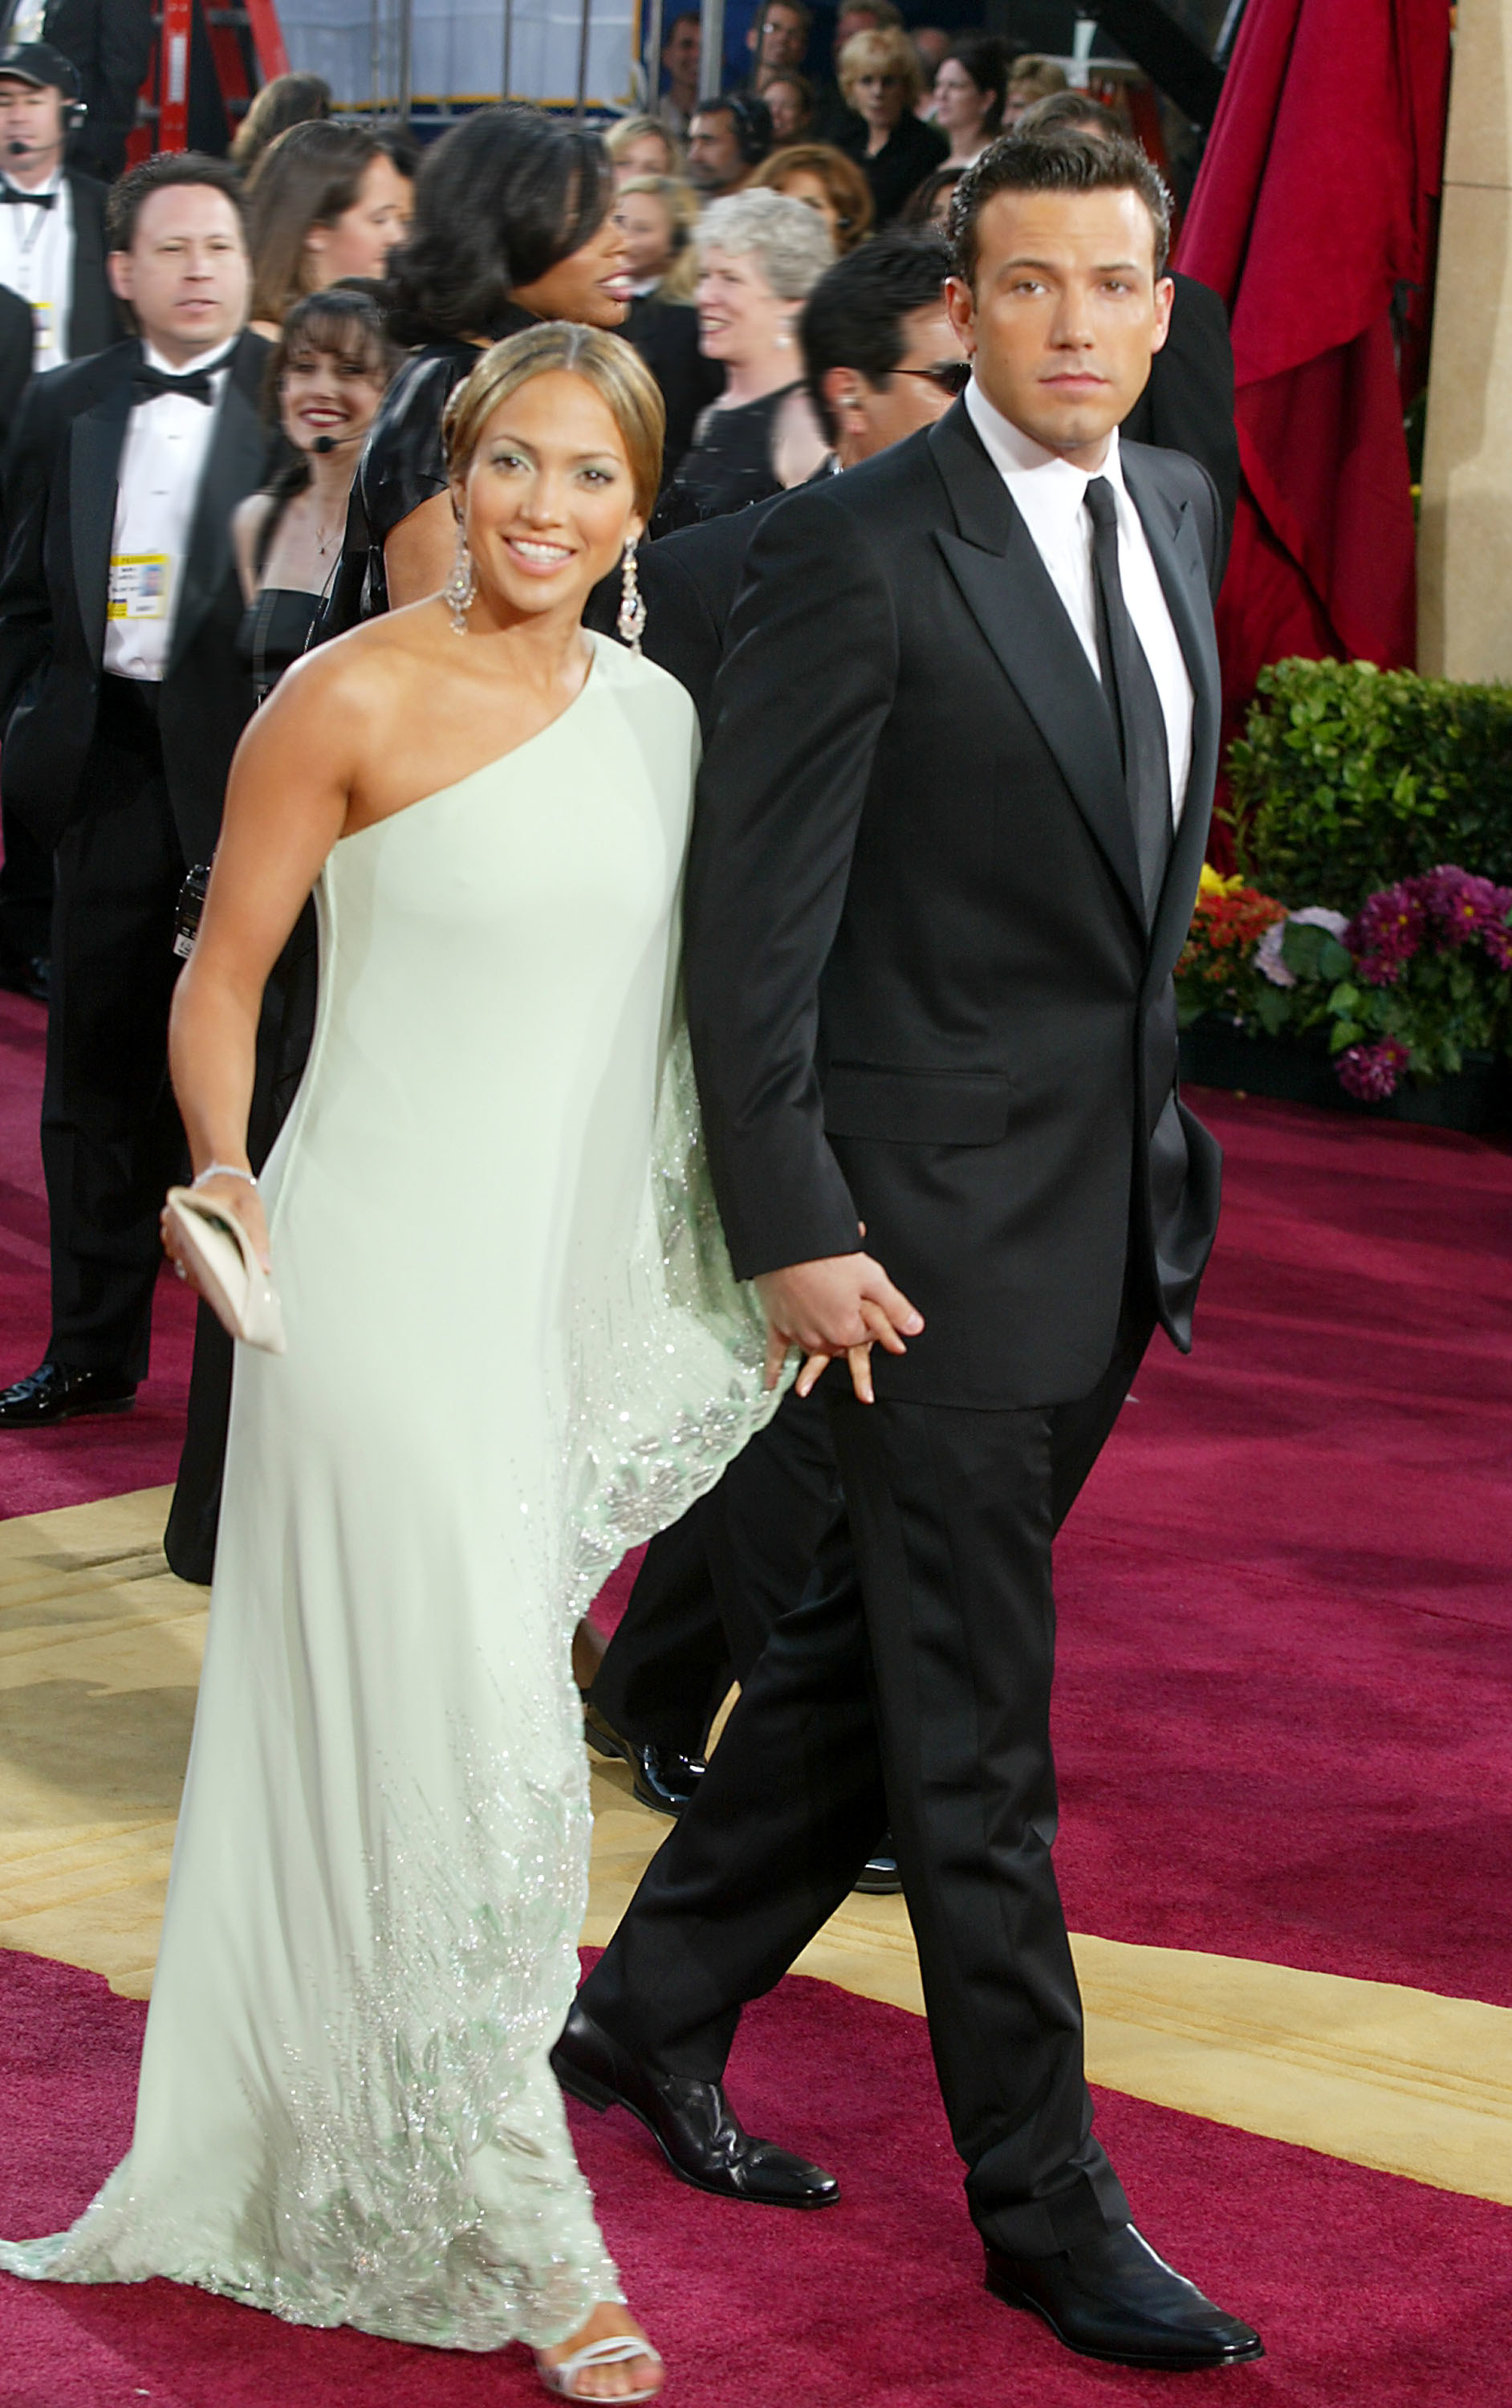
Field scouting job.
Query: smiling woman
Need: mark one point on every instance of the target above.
(760, 255)
(512, 225)
(495, 1380)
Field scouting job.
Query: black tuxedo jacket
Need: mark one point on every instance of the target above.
(93, 321)
(666, 333)
(1187, 404)
(60, 509)
(689, 580)
(920, 985)
(18, 335)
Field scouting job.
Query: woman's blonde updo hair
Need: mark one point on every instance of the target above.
(618, 375)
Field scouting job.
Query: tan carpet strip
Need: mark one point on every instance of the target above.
(99, 1656)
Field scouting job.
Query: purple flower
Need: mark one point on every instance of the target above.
(1462, 909)
(1386, 932)
(1371, 1072)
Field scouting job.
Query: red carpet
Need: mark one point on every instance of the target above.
(1285, 1671)
(1286, 1677)
(116, 1452)
(1367, 2289)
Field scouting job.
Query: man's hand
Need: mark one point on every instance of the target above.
(841, 1304)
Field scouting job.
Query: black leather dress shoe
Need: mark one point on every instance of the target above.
(691, 2122)
(665, 1781)
(1113, 2298)
(879, 1875)
(54, 1393)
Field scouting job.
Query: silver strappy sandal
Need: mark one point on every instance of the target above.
(618, 2350)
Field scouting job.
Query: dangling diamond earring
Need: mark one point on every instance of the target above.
(631, 620)
(461, 588)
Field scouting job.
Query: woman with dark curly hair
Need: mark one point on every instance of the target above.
(513, 223)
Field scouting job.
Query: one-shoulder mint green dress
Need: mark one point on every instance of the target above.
(514, 1349)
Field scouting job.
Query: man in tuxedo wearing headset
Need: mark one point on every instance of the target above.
(57, 306)
(123, 698)
(949, 830)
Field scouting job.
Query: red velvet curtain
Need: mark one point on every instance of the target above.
(1313, 210)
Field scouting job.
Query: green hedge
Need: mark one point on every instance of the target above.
(1348, 778)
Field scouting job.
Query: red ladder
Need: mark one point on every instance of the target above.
(247, 50)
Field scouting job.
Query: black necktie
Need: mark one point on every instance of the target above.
(1132, 699)
(33, 200)
(148, 382)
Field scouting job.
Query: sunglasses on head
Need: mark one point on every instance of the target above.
(952, 376)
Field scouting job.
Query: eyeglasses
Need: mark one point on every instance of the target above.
(952, 376)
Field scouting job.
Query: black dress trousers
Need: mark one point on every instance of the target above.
(112, 1142)
(714, 1585)
(910, 1687)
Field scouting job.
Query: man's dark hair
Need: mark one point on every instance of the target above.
(135, 188)
(1063, 160)
(683, 16)
(853, 317)
(500, 199)
(750, 118)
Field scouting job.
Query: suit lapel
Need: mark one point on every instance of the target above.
(94, 463)
(1183, 574)
(1005, 584)
(232, 468)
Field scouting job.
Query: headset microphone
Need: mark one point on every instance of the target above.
(326, 443)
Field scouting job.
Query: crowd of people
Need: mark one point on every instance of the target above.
(392, 529)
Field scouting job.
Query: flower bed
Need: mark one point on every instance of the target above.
(1413, 992)
(1341, 965)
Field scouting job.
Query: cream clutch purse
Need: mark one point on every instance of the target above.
(227, 1272)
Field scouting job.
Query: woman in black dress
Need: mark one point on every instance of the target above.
(881, 82)
(329, 370)
(513, 221)
(331, 366)
(760, 255)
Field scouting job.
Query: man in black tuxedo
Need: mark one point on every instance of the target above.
(124, 700)
(57, 306)
(53, 228)
(949, 838)
(110, 44)
(881, 360)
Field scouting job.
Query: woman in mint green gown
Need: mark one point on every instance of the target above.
(514, 1349)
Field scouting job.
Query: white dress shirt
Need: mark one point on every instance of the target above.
(36, 260)
(157, 485)
(1051, 498)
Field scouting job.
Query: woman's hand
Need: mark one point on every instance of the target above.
(842, 1304)
(859, 1360)
(237, 1200)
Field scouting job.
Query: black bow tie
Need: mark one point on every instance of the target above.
(33, 200)
(148, 382)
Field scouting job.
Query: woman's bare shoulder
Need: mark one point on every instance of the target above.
(249, 513)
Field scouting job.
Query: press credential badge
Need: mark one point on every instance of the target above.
(141, 584)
